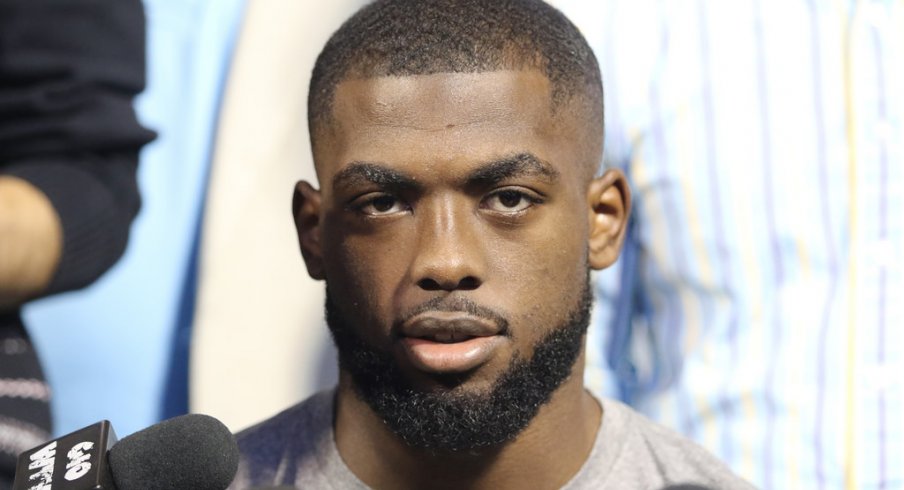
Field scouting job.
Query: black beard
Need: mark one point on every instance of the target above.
(454, 421)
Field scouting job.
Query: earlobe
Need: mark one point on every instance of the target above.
(609, 200)
(306, 210)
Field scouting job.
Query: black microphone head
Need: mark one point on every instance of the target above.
(186, 452)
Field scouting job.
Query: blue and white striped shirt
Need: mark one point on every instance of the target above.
(765, 144)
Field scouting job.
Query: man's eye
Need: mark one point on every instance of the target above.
(381, 205)
(509, 201)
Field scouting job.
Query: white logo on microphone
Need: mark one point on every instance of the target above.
(43, 462)
(79, 461)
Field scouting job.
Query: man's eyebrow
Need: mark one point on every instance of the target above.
(522, 164)
(357, 173)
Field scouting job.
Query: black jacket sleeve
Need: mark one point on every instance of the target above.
(69, 70)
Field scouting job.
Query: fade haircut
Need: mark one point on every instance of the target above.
(423, 37)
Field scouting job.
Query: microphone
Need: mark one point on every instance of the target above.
(186, 452)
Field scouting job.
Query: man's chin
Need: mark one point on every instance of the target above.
(455, 411)
(476, 409)
(452, 412)
(471, 384)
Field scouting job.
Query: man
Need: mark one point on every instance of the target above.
(456, 143)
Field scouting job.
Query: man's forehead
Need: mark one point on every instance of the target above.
(442, 100)
(446, 117)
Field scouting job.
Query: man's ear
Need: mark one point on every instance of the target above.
(306, 209)
(609, 199)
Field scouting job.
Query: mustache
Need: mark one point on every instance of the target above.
(455, 304)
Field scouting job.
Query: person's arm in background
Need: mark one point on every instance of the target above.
(32, 241)
(69, 140)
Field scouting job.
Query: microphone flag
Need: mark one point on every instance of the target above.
(75, 461)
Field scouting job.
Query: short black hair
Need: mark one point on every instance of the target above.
(422, 37)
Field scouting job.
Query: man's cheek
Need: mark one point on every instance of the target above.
(543, 260)
(554, 281)
(363, 273)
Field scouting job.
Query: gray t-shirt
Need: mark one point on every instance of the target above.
(296, 448)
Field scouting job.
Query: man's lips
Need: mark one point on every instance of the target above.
(443, 324)
(449, 342)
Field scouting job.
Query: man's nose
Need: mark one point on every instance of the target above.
(450, 254)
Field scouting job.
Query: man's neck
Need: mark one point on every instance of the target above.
(547, 454)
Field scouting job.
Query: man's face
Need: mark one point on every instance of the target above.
(453, 223)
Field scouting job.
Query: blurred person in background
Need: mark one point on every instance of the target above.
(131, 327)
(69, 142)
(757, 307)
